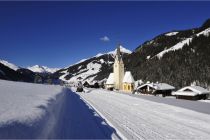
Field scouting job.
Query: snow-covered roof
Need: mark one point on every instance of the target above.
(158, 86)
(185, 93)
(128, 78)
(110, 80)
(191, 91)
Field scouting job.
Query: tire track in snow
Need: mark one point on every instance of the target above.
(159, 122)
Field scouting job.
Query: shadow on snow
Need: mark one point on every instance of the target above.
(68, 117)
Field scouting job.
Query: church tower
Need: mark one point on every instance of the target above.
(118, 70)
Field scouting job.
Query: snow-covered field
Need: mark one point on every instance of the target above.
(48, 111)
(139, 118)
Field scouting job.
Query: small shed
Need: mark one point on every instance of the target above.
(156, 88)
(110, 82)
(128, 82)
(192, 93)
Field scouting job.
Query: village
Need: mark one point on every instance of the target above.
(121, 70)
(121, 80)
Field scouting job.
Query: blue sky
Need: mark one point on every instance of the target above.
(57, 34)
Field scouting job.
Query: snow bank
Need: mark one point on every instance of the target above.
(27, 108)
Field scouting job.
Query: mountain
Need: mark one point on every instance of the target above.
(95, 68)
(37, 74)
(10, 65)
(179, 58)
(9, 71)
(42, 69)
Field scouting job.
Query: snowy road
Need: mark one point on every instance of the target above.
(138, 118)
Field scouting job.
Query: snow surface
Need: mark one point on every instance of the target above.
(89, 73)
(10, 65)
(16, 97)
(42, 69)
(171, 33)
(83, 74)
(128, 78)
(29, 111)
(138, 118)
(122, 49)
(182, 43)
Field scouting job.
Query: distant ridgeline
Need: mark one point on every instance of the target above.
(179, 58)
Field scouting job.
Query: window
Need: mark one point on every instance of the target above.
(131, 87)
(124, 87)
(128, 87)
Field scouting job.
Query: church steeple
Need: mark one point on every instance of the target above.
(118, 69)
(118, 55)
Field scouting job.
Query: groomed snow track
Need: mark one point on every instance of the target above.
(138, 118)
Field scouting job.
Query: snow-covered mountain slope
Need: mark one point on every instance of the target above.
(171, 33)
(179, 45)
(42, 69)
(9, 71)
(122, 49)
(10, 65)
(178, 58)
(12, 72)
(95, 68)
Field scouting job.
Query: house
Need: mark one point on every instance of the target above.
(192, 93)
(156, 88)
(119, 79)
(110, 82)
(128, 82)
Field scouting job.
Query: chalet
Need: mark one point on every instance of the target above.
(156, 88)
(192, 93)
(128, 82)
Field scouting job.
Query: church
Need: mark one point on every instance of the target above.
(120, 80)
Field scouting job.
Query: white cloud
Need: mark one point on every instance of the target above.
(105, 39)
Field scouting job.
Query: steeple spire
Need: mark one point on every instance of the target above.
(118, 54)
